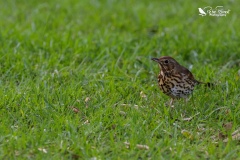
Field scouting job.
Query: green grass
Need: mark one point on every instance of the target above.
(56, 54)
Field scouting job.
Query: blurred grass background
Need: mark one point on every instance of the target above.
(94, 56)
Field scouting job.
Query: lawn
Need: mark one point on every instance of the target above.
(77, 80)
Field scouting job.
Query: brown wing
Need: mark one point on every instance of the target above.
(185, 73)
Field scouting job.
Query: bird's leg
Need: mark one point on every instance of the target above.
(193, 100)
(171, 102)
(188, 99)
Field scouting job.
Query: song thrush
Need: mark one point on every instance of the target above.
(175, 80)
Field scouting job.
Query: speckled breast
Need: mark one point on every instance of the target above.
(176, 86)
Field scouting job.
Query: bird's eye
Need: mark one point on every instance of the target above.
(166, 61)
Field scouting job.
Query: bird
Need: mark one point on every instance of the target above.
(174, 79)
(201, 11)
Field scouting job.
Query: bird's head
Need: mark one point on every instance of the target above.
(166, 63)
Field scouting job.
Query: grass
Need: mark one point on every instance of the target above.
(93, 57)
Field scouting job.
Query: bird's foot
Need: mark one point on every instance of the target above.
(167, 104)
(170, 104)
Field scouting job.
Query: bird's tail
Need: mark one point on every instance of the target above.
(207, 84)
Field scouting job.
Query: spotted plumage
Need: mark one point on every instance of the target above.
(175, 80)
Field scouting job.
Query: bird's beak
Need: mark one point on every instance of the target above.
(155, 59)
